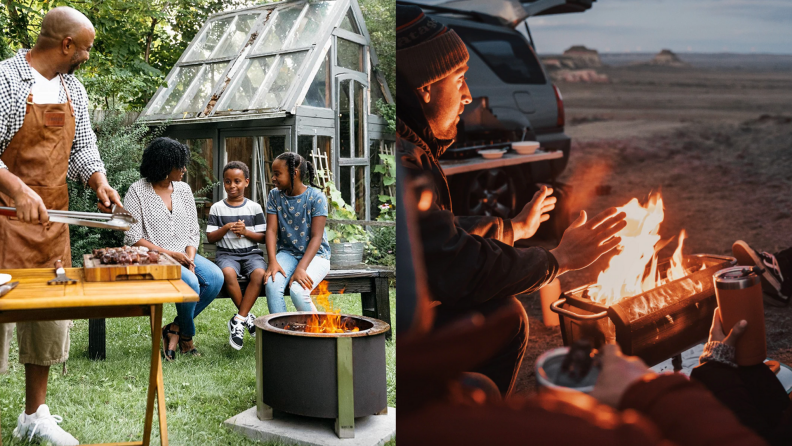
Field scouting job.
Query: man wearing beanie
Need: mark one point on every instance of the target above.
(471, 264)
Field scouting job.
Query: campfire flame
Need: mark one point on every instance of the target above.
(331, 322)
(626, 274)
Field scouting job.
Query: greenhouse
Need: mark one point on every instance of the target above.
(290, 76)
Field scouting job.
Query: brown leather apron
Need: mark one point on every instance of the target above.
(39, 155)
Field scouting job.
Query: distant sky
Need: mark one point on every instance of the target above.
(700, 26)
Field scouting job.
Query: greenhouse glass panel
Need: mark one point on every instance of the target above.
(199, 174)
(209, 40)
(236, 37)
(345, 142)
(353, 188)
(278, 31)
(245, 90)
(376, 96)
(311, 24)
(286, 70)
(207, 81)
(324, 146)
(241, 149)
(360, 121)
(178, 85)
(318, 93)
(305, 146)
(272, 146)
(349, 23)
(350, 55)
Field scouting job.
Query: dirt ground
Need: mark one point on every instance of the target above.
(717, 143)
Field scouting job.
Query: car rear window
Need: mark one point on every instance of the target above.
(508, 55)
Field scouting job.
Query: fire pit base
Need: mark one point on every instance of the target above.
(285, 428)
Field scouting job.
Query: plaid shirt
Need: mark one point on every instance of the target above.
(16, 80)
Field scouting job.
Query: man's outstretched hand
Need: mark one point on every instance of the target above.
(527, 222)
(584, 242)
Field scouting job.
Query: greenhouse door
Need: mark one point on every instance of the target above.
(257, 149)
(353, 163)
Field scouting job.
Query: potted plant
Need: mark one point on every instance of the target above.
(346, 240)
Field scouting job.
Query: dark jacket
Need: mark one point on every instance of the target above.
(754, 395)
(468, 260)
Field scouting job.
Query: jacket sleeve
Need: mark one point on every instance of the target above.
(686, 413)
(465, 269)
(487, 227)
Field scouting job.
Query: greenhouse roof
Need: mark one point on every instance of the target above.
(263, 61)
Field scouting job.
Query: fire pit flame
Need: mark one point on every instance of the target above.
(626, 275)
(332, 322)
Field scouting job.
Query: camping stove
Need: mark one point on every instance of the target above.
(338, 375)
(654, 325)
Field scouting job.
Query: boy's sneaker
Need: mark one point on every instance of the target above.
(772, 278)
(43, 427)
(236, 330)
(249, 324)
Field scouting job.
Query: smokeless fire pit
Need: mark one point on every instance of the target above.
(654, 325)
(337, 374)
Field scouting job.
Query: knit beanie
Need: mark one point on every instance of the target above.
(426, 50)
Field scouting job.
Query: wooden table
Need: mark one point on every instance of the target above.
(453, 167)
(34, 300)
(368, 280)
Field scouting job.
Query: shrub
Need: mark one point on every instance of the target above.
(381, 249)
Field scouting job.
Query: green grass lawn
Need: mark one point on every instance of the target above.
(104, 401)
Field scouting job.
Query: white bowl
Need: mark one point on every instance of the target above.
(525, 147)
(5, 278)
(548, 366)
(491, 154)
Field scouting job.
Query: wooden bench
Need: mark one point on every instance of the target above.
(370, 281)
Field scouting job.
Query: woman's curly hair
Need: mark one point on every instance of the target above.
(161, 156)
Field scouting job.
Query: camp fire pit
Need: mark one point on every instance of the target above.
(654, 325)
(321, 365)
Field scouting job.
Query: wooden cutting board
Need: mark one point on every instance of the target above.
(166, 269)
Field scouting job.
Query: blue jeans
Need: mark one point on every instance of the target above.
(276, 286)
(206, 281)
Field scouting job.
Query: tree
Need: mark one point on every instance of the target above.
(381, 24)
(137, 42)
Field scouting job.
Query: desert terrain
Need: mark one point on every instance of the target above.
(715, 137)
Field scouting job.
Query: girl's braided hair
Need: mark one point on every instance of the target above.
(295, 162)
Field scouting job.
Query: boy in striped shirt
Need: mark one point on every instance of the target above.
(236, 225)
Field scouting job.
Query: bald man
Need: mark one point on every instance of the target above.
(45, 137)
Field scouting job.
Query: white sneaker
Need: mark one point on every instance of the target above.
(251, 327)
(236, 330)
(43, 427)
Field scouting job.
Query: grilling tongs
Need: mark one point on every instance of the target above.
(120, 219)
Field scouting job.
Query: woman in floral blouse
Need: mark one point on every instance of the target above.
(167, 221)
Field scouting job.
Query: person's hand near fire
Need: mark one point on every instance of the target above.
(585, 241)
(721, 346)
(717, 334)
(527, 222)
(617, 374)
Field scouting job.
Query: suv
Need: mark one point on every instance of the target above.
(513, 100)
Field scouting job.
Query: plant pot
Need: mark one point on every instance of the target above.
(346, 254)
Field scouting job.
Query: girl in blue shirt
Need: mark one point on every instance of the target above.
(296, 237)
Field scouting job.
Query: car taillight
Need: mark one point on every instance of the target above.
(559, 106)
